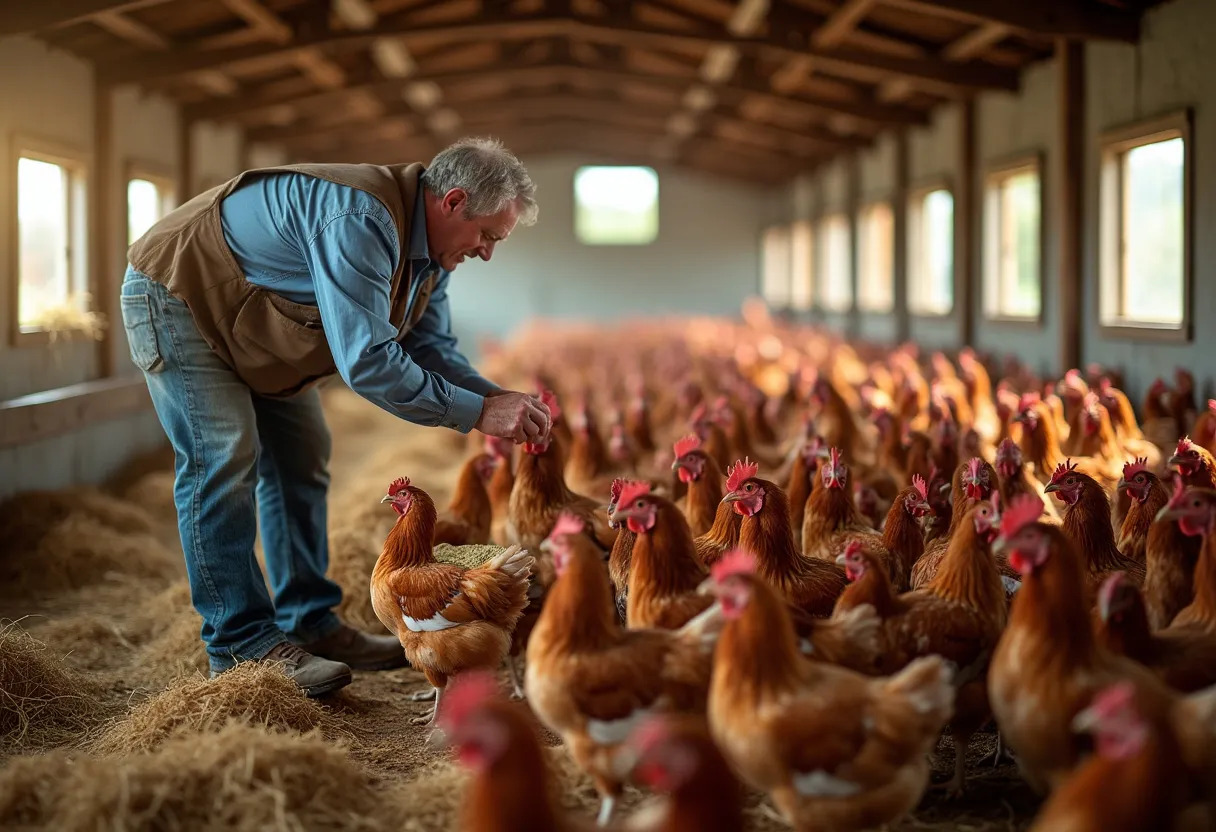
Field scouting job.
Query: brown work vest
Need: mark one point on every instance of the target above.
(276, 346)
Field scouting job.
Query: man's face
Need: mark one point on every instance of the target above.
(451, 237)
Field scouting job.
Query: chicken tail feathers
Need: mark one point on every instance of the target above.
(923, 691)
(514, 561)
(850, 639)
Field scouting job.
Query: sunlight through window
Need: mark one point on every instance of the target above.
(1012, 251)
(616, 205)
(931, 253)
(50, 235)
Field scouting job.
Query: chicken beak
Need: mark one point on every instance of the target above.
(732, 497)
(706, 587)
(840, 559)
(1000, 545)
(1121, 485)
(387, 498)
(1051, 488)
(675, 466)
(1174, 461)
(1085, 721)
(1168, 513)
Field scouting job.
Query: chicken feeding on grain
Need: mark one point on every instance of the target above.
(449, 619)
(834, 749)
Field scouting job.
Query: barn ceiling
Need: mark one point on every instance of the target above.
(758, 89)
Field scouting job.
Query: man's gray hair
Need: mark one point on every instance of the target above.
(491, 175)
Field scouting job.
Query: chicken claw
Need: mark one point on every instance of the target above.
(427, 719)
(424, 695)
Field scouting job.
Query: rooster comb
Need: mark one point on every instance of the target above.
(734, 562)
(398, 485)
(687, 445)
(1064, 468)
(632, 490)
(743, 470)
(567, 523)
(1184, 445)
(1114, 699)
(615, 489)
(1134, 467)
(1029, 400)
(975, 469)
(853, 547)
(549, 399)
(1007, 447)
(1023, 510)
(468, 692)
(921, 486)
(1212, 405)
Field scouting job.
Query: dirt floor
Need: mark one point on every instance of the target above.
(106, 721)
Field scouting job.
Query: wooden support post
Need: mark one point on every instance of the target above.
(101, 229)
(852, 198)
(899, 248)
(964, 224)
(1070, 190)
(185, 161)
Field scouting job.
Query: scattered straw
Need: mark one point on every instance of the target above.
(352, 556)
(241, 778)
(252, 692)
(41, 703)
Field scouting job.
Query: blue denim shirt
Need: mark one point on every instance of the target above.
(335, 247)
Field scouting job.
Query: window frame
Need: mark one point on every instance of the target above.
(658, 206)
(802, 231)
(1113, 144)
(863, 209)
(776, 228)
(915, 194)
(1000, 170)
(823, 227)
(162, 176)
(79, 163)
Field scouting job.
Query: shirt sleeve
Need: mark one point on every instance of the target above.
(432, 344)
(351, 258)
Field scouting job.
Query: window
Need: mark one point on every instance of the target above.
(931, 252)
(775, 266)
(1145, 237)
(149, 197)
(836, 281)
(52, 242)
(876, 258)
(802, 280)
(616, 205)
(1013, 262)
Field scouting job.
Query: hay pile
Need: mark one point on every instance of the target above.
(41, 703)
(240, 778)
(59, 541)
(252, 693)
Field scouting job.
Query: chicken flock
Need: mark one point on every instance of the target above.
(751, 555)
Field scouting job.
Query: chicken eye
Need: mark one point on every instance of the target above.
(1140, 478)
(640, 504)
(749, 487)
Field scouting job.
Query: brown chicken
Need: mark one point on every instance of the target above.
(834, 749)
(832, 520)
(902, 534)
(959, 616)
(1040, 436)
(1136, 778)
(1014, 477)
(704, 480)
(808, 584)
(1184, 657)
(1194, 510)
(664, 572)
(510, 787)
(590, 681)
(974, 481)
(1088, 528)
(674, 754)
(1170, 557)
(449, 619)
(469, 515)
(715, 443)
(721, 537)
(1146, 496)
(1196, 464)
(803, 470)
(1048, 664)
(500, 486)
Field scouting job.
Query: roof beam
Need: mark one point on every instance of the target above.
(1057, 18)
(933, 72)
(975, 42)
(133, 31)
(837, 28)
(18, 18)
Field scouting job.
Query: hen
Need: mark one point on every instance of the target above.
(835, 750)
(449, 619)
(974, 480)
(591, 682)
(832, 520)
(469, 515)
(1194, 510)
(700, 473)
(1014, 477)
(500, 486)
(902, 534)
(1087, 526)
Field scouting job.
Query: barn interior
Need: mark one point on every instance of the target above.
(743, 197)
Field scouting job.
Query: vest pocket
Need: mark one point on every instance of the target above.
(278, 343)
(141, 333)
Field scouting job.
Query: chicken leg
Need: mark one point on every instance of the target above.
(423, 696)
(606, 807)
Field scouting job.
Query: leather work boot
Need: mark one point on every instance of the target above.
(359, 650)
(317, 676)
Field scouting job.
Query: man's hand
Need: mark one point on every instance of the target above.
(515, 416)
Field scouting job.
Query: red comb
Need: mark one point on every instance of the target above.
(834, 454)
(1114, 699)
(1212, 405)
(687, 444)
(921, 486)
(615, 489)
(631, 490)
(466, 693)
(567, 523)
(1184, 445)
(973, 467)
(852, 548)
(698, 413)
(1066, 467)
(1023, 510)
(1007, 447)
(398, 485)
(1134, 467)
(1029, 400)
(549, 399)
(740, 472)
(734, 562)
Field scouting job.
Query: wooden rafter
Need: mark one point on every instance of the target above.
(18, 17)
(837, 27)
(119, 25)
(977, 41)
(934, 72)
(1058, 18)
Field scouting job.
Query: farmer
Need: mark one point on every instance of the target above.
(237, 303)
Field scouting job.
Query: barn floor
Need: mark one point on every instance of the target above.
(101, 584)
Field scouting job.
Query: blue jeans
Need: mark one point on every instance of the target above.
(240, 458)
